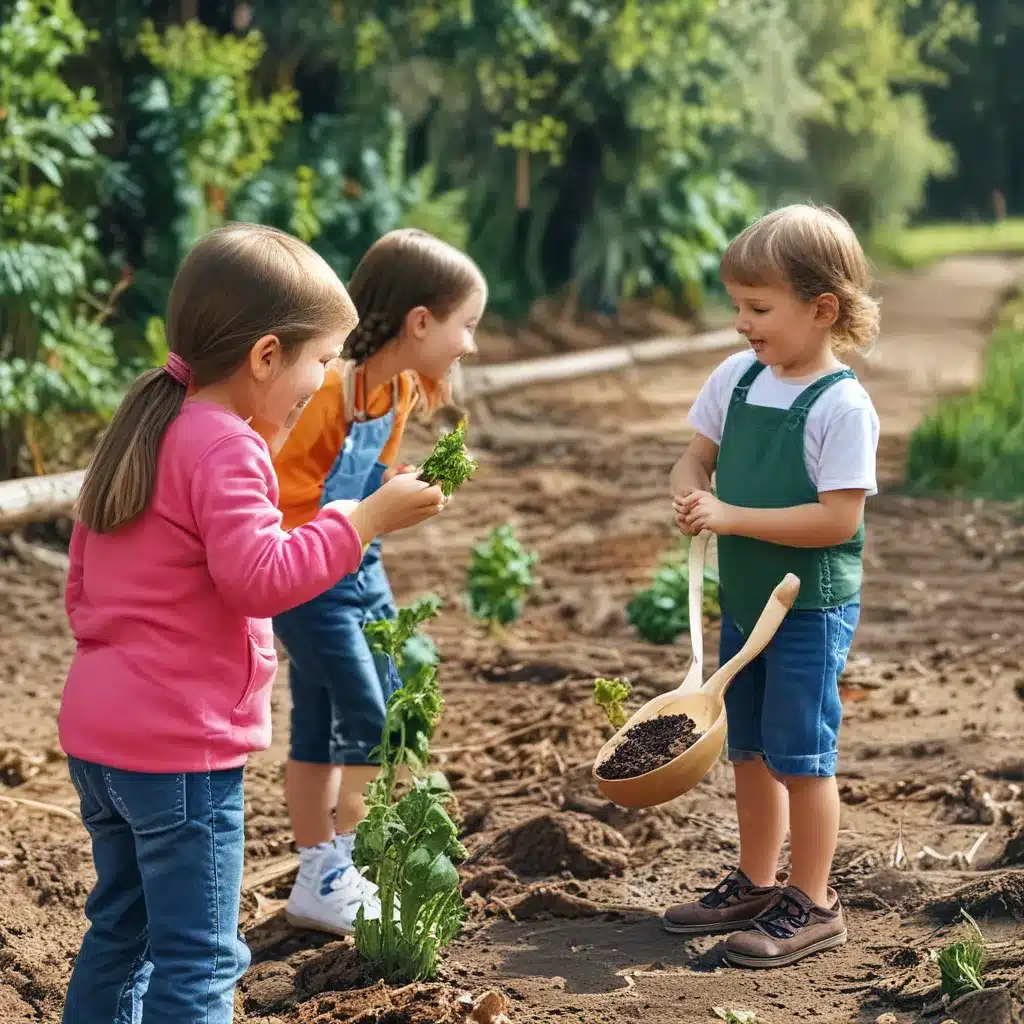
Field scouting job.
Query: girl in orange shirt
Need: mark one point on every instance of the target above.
(419, 301)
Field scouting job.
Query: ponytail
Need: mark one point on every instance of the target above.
(240, 282)
(122, 472)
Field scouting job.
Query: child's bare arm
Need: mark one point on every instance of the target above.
(832, 519)
(693, 470)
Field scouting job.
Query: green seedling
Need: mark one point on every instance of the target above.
(409, 846)
(400, 639)
(499, 577)
(612, 694)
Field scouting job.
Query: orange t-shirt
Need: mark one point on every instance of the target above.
(313, 445)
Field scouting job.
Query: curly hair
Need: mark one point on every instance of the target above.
(815, 251)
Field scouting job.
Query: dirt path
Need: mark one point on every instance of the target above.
(932, 738)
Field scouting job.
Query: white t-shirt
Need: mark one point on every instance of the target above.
(841, 435)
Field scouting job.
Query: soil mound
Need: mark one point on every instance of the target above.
(557, 842)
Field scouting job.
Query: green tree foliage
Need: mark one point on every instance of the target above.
(203, 131)
(55, 352)
(604, 148)
(867, 148)
(980, 113)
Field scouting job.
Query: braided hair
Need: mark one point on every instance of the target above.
(401, 271)
(370, 335)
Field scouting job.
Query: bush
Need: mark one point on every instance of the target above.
(974, 444)
(661, 613)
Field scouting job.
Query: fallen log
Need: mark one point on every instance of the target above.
(37, 499)
(481, 381)
(42, 498)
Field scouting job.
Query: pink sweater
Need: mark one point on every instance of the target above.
(171, 612)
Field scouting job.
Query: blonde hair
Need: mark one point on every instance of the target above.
(239, 283)
(816, 252)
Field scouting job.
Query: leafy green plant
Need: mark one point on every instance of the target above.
(389, 636)
(340, 181)
(962, 963)
(56, 352)
(203, 104)
(499, 577)
(661, 229)
(201, 128)
(449, 464)
(413, 848)
(409, 846)
(612, 694)
(661, 613)
(736, 1016)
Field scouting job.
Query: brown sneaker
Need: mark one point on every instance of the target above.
(792, 927)
(733, 904)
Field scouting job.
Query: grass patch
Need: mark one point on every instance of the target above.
(962, 963)
(928, 243)
(973, 445)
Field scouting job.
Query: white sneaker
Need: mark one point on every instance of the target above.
(329, 891)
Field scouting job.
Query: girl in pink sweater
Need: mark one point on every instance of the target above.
(178, 563)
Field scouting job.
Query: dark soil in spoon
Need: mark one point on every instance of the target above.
(649, 745)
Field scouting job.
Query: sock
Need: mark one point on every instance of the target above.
(343, 844)
(311, 859)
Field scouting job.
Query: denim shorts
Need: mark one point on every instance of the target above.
(339, 687)
(784, 706)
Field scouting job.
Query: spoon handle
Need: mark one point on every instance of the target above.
(771, 617)
(694, 678)
(698, 549)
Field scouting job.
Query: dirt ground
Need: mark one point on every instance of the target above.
(565, 889)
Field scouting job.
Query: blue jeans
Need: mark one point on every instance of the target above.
(163, 945)
(784, 706)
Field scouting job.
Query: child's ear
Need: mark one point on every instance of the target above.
(826, 310)
(264, 357)
(417, 320)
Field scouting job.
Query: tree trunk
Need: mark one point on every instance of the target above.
(11, 438)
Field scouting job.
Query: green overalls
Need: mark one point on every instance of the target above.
(761, 465)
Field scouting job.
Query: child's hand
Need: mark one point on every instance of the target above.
(680, 516)
(401, 502)
(701, 510)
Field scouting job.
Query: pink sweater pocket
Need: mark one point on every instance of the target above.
(251, 715)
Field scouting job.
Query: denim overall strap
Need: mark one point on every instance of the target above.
(761, 464)
(358, 472)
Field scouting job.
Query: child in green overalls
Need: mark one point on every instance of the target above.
(791, 437)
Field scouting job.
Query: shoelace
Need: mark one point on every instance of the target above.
(784, 918)
(724, 893)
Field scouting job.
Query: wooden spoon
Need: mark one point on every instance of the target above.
(706, 707)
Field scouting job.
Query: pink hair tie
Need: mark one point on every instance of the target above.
(177, 369)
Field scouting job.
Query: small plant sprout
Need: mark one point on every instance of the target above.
(612, 694)
(962, 963)
(499, 577)
(737, 1016)
(449, 465)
